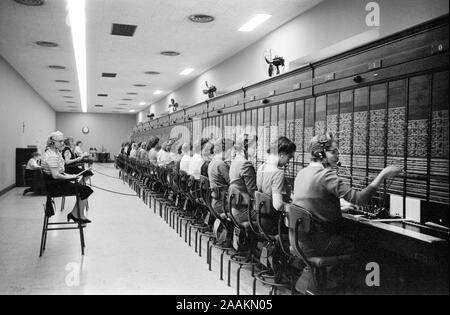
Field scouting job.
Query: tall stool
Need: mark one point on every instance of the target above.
(49, 211)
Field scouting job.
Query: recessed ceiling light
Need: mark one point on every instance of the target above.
(56, 67)
(46, 44)
(152, 72)
(186, 71)
(139, 85)
(123, 29)
(109, 75)
(157, 92)
(62, 81)
(170, 53)
(142, 103)
(65, 90)
(254, 22)
(31, 2)
(201, 18)
(132, 110)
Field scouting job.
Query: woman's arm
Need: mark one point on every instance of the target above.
(336, 186)
(71, 161)
(57, 175)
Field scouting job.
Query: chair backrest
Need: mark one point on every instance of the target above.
(263, 207)
(299, 221)
(237, 199)
(205, 191)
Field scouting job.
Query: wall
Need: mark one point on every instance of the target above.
(326, 29)
(26, 119)
(107, 130)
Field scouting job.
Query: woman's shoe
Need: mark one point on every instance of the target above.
(70, 216)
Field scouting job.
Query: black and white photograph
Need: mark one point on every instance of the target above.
(224, 153)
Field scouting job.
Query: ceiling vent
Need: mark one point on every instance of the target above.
(62, 81)
(201, 18)
(98, 105)
(46, 44)
(70, 102)
(127, 99)
(66, 96)
(57, 67)
(152, 72)
(123, 104)
(31, 2)
(132, 93)
(65, 90)
(123, 29)
(170, 53)
(102, 95)
(109, 75)
(139, 85)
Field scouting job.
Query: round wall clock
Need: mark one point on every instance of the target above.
(85, 130)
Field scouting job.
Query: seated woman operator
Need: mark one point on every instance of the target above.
(243, 174)
(318, 189)
(270, 180)
(53, 167)
(71, 160)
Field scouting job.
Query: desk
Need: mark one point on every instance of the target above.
(103, 157)
(407, 239)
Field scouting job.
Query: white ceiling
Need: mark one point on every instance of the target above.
(161, 25)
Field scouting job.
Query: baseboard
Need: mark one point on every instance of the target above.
(5, 190)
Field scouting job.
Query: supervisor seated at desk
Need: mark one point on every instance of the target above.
(30, 176)
(318, 189)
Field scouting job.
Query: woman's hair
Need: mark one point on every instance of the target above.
(154, 142)
(319, 144)
(222, 145)
(282, 145)
(180, 149)
(244, 141)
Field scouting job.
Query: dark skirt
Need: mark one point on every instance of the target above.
(62, 188)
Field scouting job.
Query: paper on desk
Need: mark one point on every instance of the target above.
(396, 205)
(413, 209)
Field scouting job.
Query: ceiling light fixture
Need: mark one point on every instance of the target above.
(46, 44)
(142, 103)
(132, 110)
(31, 2)
(201, 18)
(186, 71)
(78, 27)
(254, 22)
(157, 92)
(170, 53)
(57, 67)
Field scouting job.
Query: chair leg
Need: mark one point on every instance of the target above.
(44, 229)
(63, 201)
(221, 264)
(254, 286)
(238, 279)
(229, 273)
